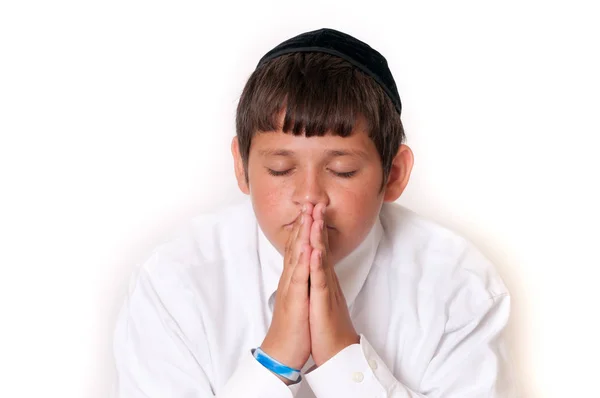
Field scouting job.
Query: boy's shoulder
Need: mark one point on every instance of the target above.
(437, 256)
(204, 240)
(409, 230)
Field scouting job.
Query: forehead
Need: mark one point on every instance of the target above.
(277, 143)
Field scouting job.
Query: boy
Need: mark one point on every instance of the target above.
(318, 285)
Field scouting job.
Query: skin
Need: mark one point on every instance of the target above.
(339, 211)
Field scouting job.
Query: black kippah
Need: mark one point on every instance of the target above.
(342, 45)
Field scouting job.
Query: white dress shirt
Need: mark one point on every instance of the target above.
(428, 306)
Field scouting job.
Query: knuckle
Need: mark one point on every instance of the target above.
(288, 244)
(286, 258)
(297, 278)
(289, 262)
(322, 285)
(319, 267)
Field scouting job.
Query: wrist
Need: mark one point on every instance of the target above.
(285, 373)
(282, 356)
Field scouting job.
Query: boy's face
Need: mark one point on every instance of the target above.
(286, 171)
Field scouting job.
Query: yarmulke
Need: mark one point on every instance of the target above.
(342, 45)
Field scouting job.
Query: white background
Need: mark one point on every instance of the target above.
(116, 119)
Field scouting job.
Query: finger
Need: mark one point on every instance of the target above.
(318, 211)
(299, 235)
(318, 278)
(317, 236)
(291, 234)
(291, 242)
(325, 237)
(291, 255)
(301, 238)
(308, 210)
(304, 232)
(298, 287)
(319, 214)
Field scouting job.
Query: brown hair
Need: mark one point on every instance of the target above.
(319, 93)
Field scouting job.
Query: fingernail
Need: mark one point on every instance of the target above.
(322, 225)
(301, 220)
(303, 208)
(323, 210)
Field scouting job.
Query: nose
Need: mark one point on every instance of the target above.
(309, 188)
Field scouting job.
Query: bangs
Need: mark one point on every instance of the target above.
(312, 96)
(315, 94)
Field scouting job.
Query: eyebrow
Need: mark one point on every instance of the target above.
(329, 153)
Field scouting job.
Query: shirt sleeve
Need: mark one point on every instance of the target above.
(153, 358)
(469, 363)
(252, 376)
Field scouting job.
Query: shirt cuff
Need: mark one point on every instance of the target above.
(356, 371)
(251, 379)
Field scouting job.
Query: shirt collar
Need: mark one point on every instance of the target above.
(351, 271)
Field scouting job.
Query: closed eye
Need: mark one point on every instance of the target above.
(278, 173)
(347, 174)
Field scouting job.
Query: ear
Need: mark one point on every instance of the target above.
(399, 174)
(238, 165)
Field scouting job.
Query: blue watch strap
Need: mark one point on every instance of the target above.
(275, 366)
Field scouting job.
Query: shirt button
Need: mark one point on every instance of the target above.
(373, 364)
(357, 377)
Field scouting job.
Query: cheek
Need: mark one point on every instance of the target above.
(268, 201)
(266, 198)
(356, 211)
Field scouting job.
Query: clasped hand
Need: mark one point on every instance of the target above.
(310, 314)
